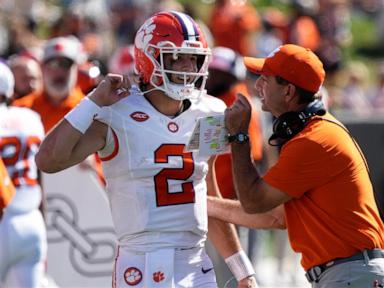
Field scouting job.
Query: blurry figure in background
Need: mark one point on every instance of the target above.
(61, 91)
(233, 25)
(376, 95)
(93, 34)
(23, 241)
(27, 73)
(60, 94)
(19, 35)
(272, 35)
(334, 24)
(226, 79)
(353, 81)
(124, 17)
(89, 22)
(89, 75)
(122, 61)
(303, 29)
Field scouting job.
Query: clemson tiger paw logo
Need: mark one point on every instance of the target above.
(158, 276)
(133, 276)
(145, 35)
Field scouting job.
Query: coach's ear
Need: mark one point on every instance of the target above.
(290, 93)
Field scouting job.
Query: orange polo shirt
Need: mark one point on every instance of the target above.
(7, 190)
(333, 213)
(223, 164)
(50, 114)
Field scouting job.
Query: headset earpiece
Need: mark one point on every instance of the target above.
(291, 123)
(287, 125)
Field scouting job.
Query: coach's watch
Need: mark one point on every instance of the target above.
(238, 138)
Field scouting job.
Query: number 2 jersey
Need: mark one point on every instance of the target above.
(21, 133)
(157, 190)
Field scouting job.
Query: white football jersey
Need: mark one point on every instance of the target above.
(21, 133)
(157, 190)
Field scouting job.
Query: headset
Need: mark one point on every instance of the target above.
(289, 124)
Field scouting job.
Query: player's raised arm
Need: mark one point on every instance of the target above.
(78, 135)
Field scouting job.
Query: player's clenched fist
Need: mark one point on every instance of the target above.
(110, 90)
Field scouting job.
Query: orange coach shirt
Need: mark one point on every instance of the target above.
(50, 114)
(333, 213)
(223, 164)
(6, 187)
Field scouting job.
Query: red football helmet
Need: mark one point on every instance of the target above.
(171, 33)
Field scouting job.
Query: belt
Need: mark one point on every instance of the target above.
(313, 274)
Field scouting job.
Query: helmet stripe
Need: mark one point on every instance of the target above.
(187, 25)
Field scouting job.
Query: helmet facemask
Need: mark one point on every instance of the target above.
(193, 85)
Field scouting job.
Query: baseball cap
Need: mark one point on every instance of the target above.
(296, 64)
(7, 81)
(227, 60)
(68, 47)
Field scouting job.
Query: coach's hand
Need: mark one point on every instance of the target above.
(111, 89)
(237, 116)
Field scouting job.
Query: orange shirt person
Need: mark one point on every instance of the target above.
(50, 112)
(62, 89)
(321, 179)
(7, 190)
(60, 94)
(233, 23)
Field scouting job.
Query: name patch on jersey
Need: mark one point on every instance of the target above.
(139, 116)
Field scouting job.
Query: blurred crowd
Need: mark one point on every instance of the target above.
(105, 31)
(59, 50)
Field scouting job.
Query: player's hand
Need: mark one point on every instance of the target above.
(111, 89)
(237, 116)
(249, 282)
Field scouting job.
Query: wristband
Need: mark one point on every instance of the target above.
(240, 265)
(81, 117)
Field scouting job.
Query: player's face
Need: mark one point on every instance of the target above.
(180, 63)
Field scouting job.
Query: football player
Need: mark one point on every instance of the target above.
(23, 243)
(157, 190)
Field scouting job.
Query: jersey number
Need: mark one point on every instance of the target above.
(20, 158)
(187, 194)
